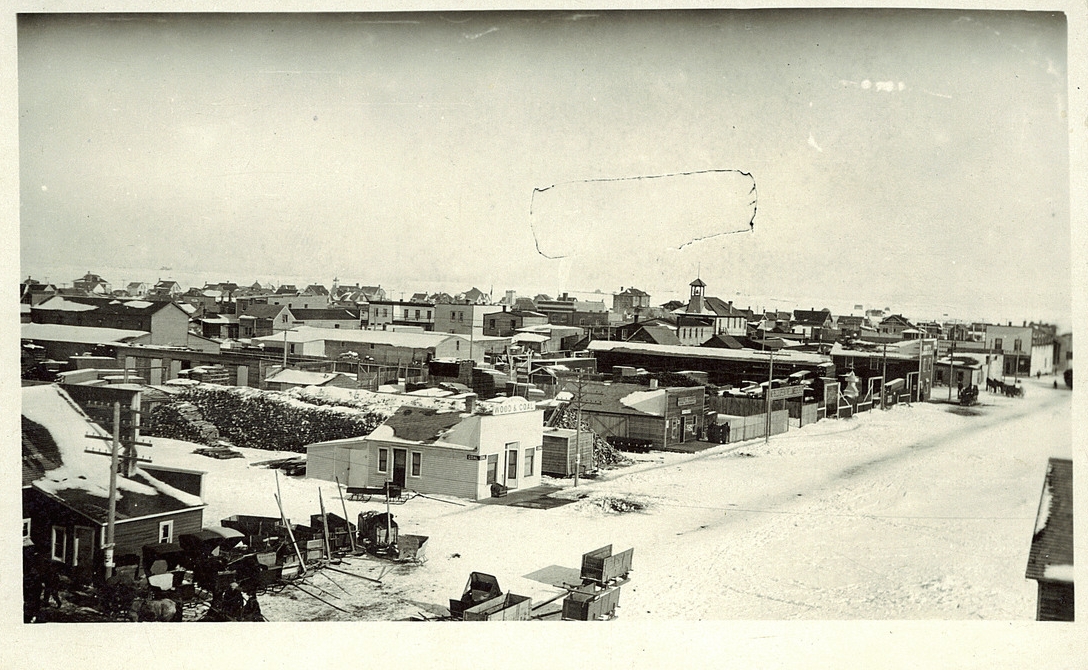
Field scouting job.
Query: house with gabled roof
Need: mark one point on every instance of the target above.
(474, 296)
(896, 326)
(1050, 559)
(167, 322)
(166, 288)
(631, 300)
(491, 446)
(654, 334)
(33, 292)
(65, 490)
(92, 284)
(316, 289)
(259, 320)
(813, 324)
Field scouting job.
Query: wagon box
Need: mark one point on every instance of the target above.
(601, 566)
(586, 604)
(509, 607)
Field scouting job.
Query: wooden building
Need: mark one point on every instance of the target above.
(659, 416)
(1050, 561)
(461, 454)
(66, 490)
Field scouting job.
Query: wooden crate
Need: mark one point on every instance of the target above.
(601, 566)
(590, 605)
(509, 607)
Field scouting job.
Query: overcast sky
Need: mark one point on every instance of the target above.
(902, 159)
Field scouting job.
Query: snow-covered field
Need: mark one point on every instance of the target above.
(919, 512)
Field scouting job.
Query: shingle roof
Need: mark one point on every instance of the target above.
(261, 311)
(1052, 544)
(656, 335)
(420, 424)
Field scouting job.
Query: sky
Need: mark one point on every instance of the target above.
(911, 159)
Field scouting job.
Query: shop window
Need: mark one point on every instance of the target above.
(530, 454)
(383, 460)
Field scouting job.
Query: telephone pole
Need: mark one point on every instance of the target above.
(770, 378)
(579, 401)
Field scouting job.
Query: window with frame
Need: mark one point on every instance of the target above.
(383, 460)
(26, 529)
(417, 464)
(58, 543)
(406, 315)
(428, 315)
(417, 314)
(166, 531)
(1016, 345)
(997, 343)
(530, 455)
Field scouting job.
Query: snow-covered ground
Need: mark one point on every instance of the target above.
(919, 512)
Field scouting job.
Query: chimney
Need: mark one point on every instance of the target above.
(470, 403)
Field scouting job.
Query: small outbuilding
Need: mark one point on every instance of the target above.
(1050, 561)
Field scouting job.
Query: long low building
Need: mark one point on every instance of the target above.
(723, 366)
(386, 347)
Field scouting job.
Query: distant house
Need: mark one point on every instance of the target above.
(897, 327)
(33, 292)
(66, 490)
(721, 341)
(630, 301)
(462, 454)
(1050, 560)
(813, 324)
(259, 320)
(166, 288)
(167, 322)
(850, 326)
(654, 334)
(384, 313)
(286, 289)
(136, 289)
(625, 331)
(505, 324)
(475, 296)
(316, 289)
(91, 283)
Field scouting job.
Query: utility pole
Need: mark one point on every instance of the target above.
(951, 367)
(770, 377)
(884, 380)
(111, 513)
(579, 401)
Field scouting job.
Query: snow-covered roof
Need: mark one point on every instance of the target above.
(707, 352)
(51, 332)
(387, 337)
(1052, 543)
(647, 402)
(303, 377)
(81, 479)
(61, 304)
(529, 337)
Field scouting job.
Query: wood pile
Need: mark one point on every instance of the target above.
(180, 421)
(271, 420)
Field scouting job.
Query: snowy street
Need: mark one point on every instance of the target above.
(919, 512)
